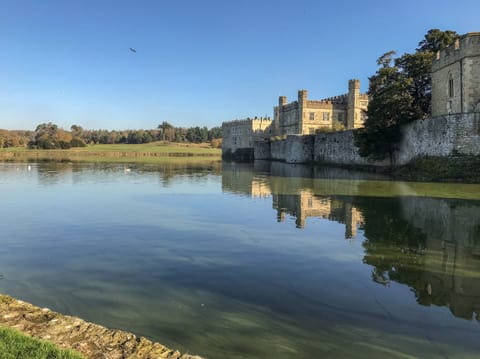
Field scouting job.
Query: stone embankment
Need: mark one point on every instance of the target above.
(90, 340)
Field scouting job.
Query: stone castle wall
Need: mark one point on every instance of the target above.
(293, 149)
(238, 136)
(338, 148)
(443, 136)
(456, 78)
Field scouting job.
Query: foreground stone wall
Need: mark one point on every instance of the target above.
(261, 150)
(339, 148)
(456, 134)
(90, 340)
(293, 149)
(442, 136)
(300, 149)
(278, 150)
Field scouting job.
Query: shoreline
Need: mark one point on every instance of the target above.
(89, 339)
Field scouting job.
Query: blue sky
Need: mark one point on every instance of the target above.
(198, 62)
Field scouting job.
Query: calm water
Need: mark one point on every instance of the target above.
(243, 261)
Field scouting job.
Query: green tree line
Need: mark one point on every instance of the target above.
(50, 136)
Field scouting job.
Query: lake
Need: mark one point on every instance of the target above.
(263, 260)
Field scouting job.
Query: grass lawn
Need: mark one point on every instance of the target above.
(14, 345)
(151, 152)
(158, 147)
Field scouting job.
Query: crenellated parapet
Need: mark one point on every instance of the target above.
(290, 106)
(335, 100)
(466, 46)
(456, 77)
(247, 121)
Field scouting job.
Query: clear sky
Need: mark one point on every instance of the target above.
(198, 62)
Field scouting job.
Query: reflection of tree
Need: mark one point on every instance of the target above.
(404, 243)
(392, 245)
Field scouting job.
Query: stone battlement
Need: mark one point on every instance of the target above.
(335, 100)
(456, 77)
(466, 46)
(290, 106)
(246, 121)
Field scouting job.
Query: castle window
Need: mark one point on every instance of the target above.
(312, 116)
(340, 117)
(311, 130)
(450, 86)
(326, 116)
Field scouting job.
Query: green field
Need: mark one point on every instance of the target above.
(15, 345)
(151, 153)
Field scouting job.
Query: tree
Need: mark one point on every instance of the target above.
(399, 93)
(436, 40)
(390, 106)
(164, 126)
(214, 133)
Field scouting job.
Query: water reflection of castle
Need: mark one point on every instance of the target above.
(431, 245)
(306, 204)
(299, 202)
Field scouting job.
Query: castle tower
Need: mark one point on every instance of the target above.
(456, 77)
(278, 115)
(302, 104)
(353, 103)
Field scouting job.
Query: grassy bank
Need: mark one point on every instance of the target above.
(464, 169)
(151, 152)
(15, 345)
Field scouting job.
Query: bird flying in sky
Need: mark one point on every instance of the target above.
(132, 49)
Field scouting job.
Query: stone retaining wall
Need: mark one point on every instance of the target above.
(90, 340)
(437, 137)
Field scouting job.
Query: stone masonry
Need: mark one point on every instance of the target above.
(304, 116)
(238, 136)
(456, 77)
(91, 340)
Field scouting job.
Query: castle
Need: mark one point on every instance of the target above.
(298, 132)
(305, 116)
(299, 117)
